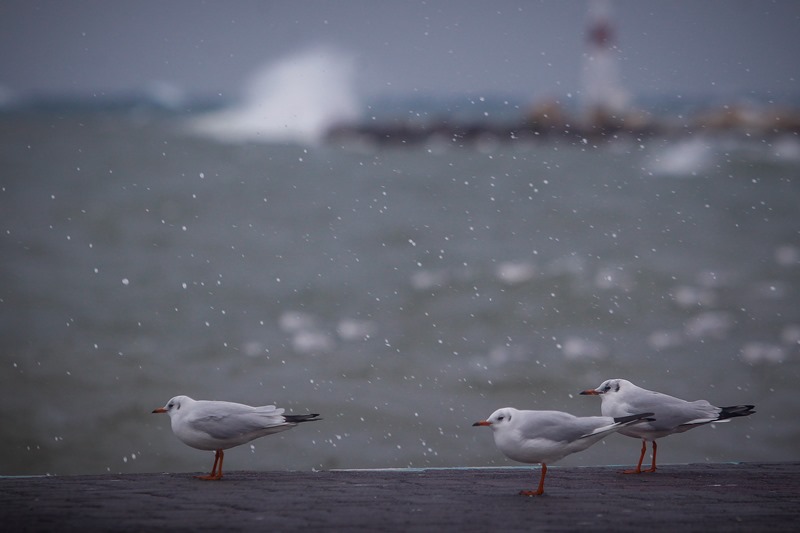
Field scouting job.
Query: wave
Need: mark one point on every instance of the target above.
(685, 158)
(295, 99)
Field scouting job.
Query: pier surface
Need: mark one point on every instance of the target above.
(692, 497)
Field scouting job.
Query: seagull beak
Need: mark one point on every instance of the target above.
(159, 410)
(590, 392)
(482, 423)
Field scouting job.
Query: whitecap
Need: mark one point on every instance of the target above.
(579, 349)
(513, 272)
(663, 339)
(711, 324)
(762, 353)
(351, 329)
(294, 321)
(312, 342)
(685, 158)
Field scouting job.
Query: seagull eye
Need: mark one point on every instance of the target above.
(499, 418)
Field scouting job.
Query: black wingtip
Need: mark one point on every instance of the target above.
(733, 411)
(642, 417)
(296, 419)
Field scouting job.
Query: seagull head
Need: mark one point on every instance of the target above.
(610, 386)
(174, 405)
(498, 419)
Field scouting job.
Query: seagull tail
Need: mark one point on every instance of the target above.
(296, 419)
(734, 411)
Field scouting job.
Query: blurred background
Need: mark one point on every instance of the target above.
(401, 215)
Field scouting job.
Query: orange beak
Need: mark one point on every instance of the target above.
(482, 423)
(590, 392)
(160, 410)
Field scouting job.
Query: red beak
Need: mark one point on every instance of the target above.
(160, 410)
(591, 392)
(482, 423)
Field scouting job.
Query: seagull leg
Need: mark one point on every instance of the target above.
(540, 490)
(216, 461)
(221, 457)
(215, 474)
(653, 467)
(638, 469)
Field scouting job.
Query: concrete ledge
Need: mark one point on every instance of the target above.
(695, 497)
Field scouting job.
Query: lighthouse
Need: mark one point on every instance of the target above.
(605, 102)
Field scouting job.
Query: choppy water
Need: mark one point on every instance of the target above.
(402, 293)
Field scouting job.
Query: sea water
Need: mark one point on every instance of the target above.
(401, 292)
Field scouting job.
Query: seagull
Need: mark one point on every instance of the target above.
(217, 426)
(620, 397)
(544, 437)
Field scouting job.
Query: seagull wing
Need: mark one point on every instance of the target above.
(671, 412)
(227, 420)
(557, 426)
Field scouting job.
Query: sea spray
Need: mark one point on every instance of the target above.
(295, 99)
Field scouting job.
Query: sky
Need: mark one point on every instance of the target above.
(430, 47)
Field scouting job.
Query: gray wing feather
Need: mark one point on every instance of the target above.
(238, 420)
(561, 427)
(671, 412)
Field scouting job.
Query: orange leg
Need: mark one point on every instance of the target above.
(540, 490)
(638, 469)
(653, 467)
(215, 472)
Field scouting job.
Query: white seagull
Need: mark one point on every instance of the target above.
(212, 425)
(620, 397)
(546, 436)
